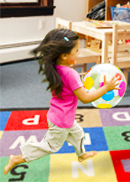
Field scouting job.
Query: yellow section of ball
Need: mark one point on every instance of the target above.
(88, 83)
(103, 106)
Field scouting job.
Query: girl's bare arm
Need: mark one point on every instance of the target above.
(87, 97)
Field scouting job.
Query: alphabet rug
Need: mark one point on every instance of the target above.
(106, 131)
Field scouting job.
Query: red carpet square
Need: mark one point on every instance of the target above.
(27, 120)
(120, 167)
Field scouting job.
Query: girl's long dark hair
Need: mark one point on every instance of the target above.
(54, 45)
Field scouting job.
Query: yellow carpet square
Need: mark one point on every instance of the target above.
(1, 133)
(65, 167)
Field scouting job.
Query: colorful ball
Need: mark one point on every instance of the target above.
(94, 79)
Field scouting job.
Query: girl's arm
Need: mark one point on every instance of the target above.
(85, 97)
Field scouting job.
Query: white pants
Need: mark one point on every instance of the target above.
(53, 141)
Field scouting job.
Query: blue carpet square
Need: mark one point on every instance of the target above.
(96, 138)
(4, 116)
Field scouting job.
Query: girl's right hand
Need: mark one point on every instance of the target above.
(111, 85)
(85, 97)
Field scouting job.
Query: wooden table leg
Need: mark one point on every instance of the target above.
(104, 49)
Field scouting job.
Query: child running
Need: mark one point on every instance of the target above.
(58, 51)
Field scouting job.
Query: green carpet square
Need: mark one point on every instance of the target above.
(117, 137)
(34, 171)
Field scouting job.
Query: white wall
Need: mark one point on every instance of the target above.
(74, 10)
(24, 29)
(28, 29)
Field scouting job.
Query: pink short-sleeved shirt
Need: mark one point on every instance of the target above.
(62, 110)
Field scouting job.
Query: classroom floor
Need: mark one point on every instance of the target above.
(106, 131)
(21, 87)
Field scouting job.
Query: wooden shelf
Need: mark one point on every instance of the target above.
(92, 3)
(112, 3)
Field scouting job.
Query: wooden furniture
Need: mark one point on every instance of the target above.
(105, 35)
(90, 41)
(120, 48)
(86, 56)
(93, 44)
(61, 23)
(112, 3)
(91, 3)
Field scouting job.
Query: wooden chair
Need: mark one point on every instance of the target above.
(86, 55)
(61, 23)
(120, 55)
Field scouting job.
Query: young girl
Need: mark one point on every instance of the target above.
(58, 51)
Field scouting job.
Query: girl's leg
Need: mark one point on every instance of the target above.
(52, 142)
(13, 161)
(76, 137)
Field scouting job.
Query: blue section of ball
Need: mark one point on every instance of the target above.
(108, 96)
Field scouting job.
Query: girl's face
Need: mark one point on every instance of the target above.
(71, 57)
